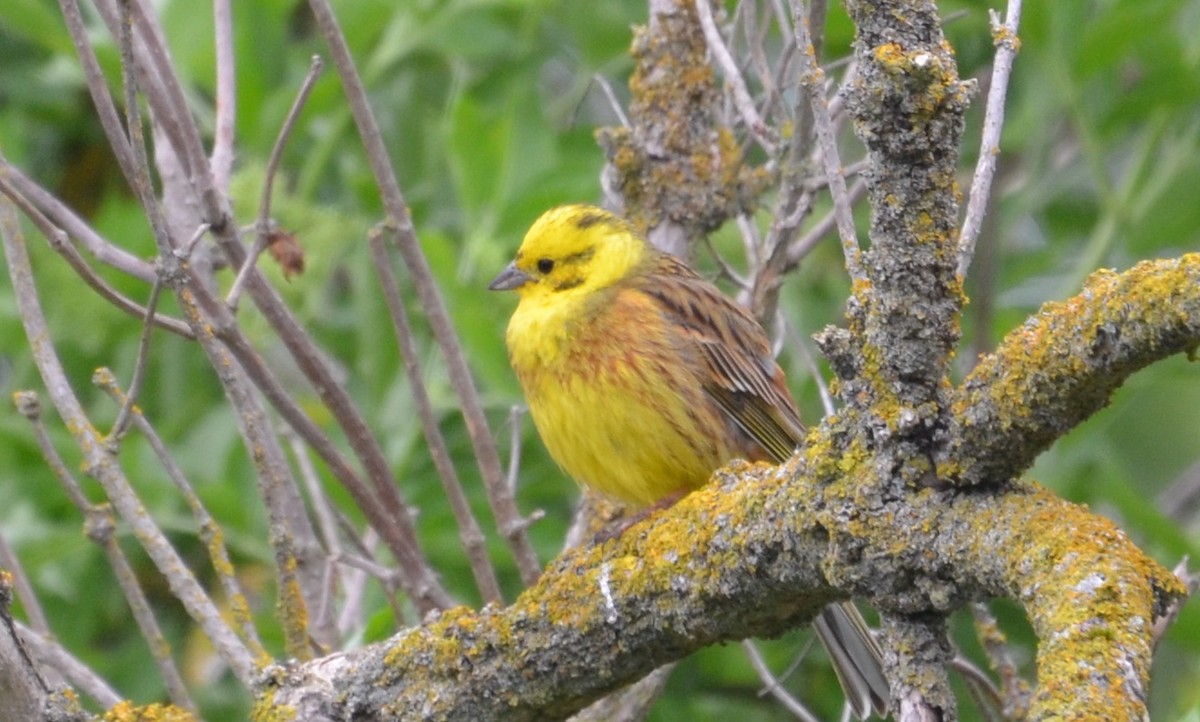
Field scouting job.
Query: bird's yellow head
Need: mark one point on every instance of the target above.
(573, 251)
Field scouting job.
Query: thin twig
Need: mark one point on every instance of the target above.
(795, 199)
(386, 511)
(514, 446)
(99, 526)
(366, 565)
(58, 240)
(1191, 582)
(380, 500)
(226, 101)
(367, 548)
(63, 217)
(322, 507)
(733, 77)
(1007, 44)
(294, 581)
(209, 531)
(97, 86)
(102, 466)
(351, 619)
(165, 97)
(982, 687)
(803, 245)
(10, 563)
(504, 507)
(262, 229)
(1016, 694)
(813, 80)
(801, 348)
(139, 181)
(52, 655)
(321, 504)
(772, 685)
(139, 365)
(612, 98)
(469, 532)
(756, 38)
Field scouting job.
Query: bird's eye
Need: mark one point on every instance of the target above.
(545, 265)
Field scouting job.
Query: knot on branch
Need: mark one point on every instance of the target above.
(99, 524)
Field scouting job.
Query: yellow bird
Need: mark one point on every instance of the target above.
(643, 379)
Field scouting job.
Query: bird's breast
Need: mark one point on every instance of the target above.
(618, 405)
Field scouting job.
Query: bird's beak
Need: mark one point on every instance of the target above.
(511, 277)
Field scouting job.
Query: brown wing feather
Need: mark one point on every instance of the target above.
(742, 376)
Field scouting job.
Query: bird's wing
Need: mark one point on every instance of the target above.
(738, 369)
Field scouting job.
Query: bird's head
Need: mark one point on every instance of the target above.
(576, 249)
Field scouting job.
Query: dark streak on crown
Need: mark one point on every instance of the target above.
(592, 218)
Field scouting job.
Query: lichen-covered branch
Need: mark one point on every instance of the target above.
(677, 169)
(1064, 364)
(747, 556)
(907, 103)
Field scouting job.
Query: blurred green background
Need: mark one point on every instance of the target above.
(488, 108)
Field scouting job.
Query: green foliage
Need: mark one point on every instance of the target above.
(488, 108)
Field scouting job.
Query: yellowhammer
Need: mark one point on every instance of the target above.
(643, 378)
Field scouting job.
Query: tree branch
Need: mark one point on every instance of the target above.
(747, 556)
(512, 526)
(1064, 364)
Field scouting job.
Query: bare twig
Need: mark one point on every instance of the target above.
(504, 507)
(1191, 581)
(803, 245)
(154, 71)
(351, 618)
(53, 656)
(986, 695)
(733, 76)
(295, 580)
(514, 446)
(207, 527)
(629, 704)
(1016, 693)
(812, 78)
(327, 525)
(102, 466)
(139, 365)
(59, 215)
(380, 501)
(795, 199)
(1007, 44)
(97, 86)
(139, 177)
(99, 525)
(10, 563)
(801, 348)
(262, 228)
(61, 243)
(226, 112)
(386, 510)
(612, 98)
(772, 685)
(469, 532)
(756, 36)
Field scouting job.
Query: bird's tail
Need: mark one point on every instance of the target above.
(856, 657)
